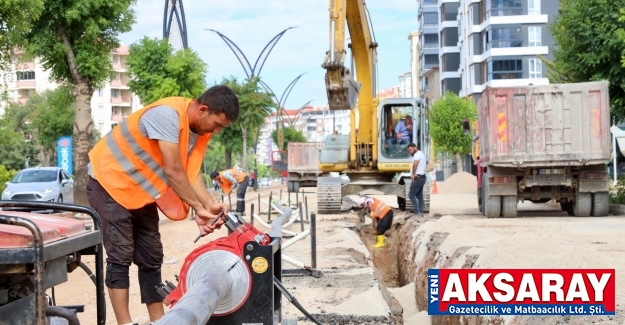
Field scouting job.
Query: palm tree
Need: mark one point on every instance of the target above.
(255, 103)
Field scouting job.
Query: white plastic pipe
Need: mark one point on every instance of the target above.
(266, 225)
(293, 261)
(295, 239)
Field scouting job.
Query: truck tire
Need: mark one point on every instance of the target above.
(509, 206)
(600, 204)
(583, 205)
(492, 204)
(480, 199)
(292, 186)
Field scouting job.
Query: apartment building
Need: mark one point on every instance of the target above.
(405, 84)
(415, 63)
(500, 41)
(432, 86)
(110, 104)
(428, 38)
(449, 53)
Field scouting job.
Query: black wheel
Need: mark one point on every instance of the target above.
(583, 205)
(509, 209)
(480, 199)
(601, 204)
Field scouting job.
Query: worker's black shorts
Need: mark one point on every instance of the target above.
(128, 235)
(385, 223)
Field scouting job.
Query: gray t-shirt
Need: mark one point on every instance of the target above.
(160, 123)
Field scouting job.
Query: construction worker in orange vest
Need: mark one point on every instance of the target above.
(382, 216)
(231, 179)
(151, 161)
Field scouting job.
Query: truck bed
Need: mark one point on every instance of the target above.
(547, 125)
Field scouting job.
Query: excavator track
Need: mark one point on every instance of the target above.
(329, 198)
(426, 196)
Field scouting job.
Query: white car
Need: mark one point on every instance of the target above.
(50, 184)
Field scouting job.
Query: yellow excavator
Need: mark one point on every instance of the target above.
(370, 157)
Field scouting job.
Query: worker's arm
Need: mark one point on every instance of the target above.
(207, 200)
(415, 164)
(177, 177)
(228, 175)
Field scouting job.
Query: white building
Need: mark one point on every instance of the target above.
(109, 105)
(415, 63)
(405, 84)
(500, 42)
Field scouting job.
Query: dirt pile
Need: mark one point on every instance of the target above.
(462, 182)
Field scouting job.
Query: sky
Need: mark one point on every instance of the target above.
(251, 24)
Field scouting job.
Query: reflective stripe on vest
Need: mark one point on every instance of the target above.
(130, 169)
(379, 208)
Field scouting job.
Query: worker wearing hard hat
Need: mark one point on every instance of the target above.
(382, 216)
(231, 179)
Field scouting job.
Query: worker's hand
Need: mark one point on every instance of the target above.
(413, 177)
(235, 186)
(372, 215)
(217, 207)
(203, 219)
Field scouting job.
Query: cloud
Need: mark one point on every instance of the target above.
(250, 24)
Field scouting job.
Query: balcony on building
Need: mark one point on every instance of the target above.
(119, 100)
(22, 100)
(120, 81)
(30, 66)
(25, 79)
(501, 8)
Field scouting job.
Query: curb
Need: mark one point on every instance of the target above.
(617, 209)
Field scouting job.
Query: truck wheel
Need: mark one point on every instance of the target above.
(480, 199)
(601, 204)
(292, 186)
(492, 204)
(509, 206)
(583, 205)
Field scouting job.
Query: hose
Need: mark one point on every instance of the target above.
(88, 271)
(294, 301)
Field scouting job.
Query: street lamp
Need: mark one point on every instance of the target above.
(251, 72)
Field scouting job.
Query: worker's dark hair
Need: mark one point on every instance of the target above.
(213, 174)
(408, 117)
(221, 99)
(412, 145)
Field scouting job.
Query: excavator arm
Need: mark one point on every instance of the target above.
(342, 89)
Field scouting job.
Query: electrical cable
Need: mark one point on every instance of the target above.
(53, 298)
(294, 301)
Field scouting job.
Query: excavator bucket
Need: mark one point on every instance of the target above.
(342, 89)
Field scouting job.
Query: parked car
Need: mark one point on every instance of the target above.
(264, 182)
(51, 184)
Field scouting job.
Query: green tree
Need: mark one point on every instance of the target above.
(16, 17)
(157, 71)
(589, 47)
(255, 104)
(290, 135)
(74, 39)
(15, 149)
(231, 138)
(446, 118)
(52, 120)
(6, 175)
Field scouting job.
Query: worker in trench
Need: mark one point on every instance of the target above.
(233, 179)
(382, 216)
(152, 160)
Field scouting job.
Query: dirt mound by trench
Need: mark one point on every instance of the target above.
(458, 183)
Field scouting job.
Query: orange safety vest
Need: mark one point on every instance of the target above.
(379, 208)
(130, 167)
(225, 184)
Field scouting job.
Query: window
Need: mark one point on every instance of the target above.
(430, 19)
(25, 75)
(534, 36)
(100, 92)
(431, 59)
(65, 174)
(311, 128)
(101, 109)
(505, 69)
(114, 93)
(115, 111)
(101, 127)
(505, 37)
(430, 40)
(504, 7)
(114, 58)
(533, 7)
(536, 68)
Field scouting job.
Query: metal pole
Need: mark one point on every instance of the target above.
(252, 215)
(306, 204)
(198, 304)
(259, 205)
(270, 205)
(614, 167)
(313, 240)
(301, 217)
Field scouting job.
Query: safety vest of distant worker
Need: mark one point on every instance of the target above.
(130, 167)
(379, 209)
(225, 183)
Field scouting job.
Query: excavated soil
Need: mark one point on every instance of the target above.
(462, 182)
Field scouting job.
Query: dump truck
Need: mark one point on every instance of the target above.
(303, 165)
(542, 143)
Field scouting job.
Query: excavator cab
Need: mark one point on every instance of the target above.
(402, 121)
